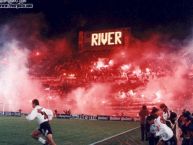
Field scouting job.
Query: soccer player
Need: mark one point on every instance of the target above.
(170, 118)
(163, 131)
(42, 115)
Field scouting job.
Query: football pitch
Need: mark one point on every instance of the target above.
(17, 130)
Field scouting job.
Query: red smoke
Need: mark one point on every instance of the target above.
(117, 76)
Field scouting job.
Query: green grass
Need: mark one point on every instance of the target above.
(130, 138)
(17, 130)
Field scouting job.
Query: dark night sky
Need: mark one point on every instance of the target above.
(64, 16)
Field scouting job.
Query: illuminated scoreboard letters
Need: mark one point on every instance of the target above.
(100, 40)
(107, 38)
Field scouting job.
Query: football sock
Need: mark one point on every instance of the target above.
(40, 139)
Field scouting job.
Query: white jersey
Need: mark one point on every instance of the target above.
(163, 130)
(40, 114)
(153, 129)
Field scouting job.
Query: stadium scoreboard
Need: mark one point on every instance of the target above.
(103, 39)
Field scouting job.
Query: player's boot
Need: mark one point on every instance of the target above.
(46, 143)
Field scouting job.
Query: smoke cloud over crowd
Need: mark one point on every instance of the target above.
(25, 50)
(16, 87)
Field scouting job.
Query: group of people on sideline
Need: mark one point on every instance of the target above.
(159, 126)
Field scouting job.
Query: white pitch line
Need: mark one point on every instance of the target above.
(105, 139)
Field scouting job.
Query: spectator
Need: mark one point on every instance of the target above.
(185, 122)
(143, 113)
(151, 130)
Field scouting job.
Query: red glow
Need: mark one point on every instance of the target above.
(111, 62)
(97, 82)
(37, 53)
(125, 67)
(100, 64)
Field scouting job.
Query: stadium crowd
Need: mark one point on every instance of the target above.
(128, 79)
(87, 69)
(98, 67)
(159, 127)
